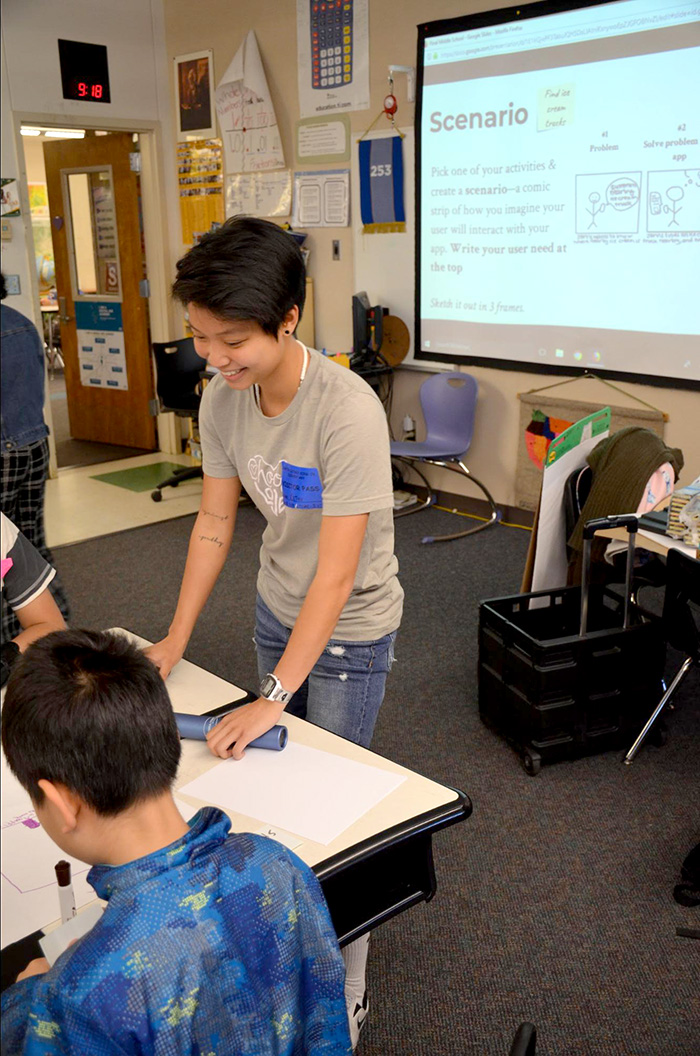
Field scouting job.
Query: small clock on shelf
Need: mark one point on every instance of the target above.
(84, 71)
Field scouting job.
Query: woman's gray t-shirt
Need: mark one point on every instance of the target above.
(327, 454)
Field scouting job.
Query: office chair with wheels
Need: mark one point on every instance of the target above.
(681, 623)
(178, 370)
(448, 403)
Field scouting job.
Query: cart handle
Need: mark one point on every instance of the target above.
(630, 521)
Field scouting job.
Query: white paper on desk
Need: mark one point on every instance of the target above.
(29, 892)
(567, 452)
(247, 119)
(312, 793)
(58, 940)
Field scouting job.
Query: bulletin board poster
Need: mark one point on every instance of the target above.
(322, 199)
(41, 232)
(332, 56)
(200, 177)
(101, 352)
(10, 197)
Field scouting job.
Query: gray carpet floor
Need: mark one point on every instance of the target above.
(554, 900)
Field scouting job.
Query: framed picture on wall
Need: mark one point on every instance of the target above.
(194, 94)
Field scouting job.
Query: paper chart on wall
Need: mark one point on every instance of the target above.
(29, 893)
(101, 349)
(314, 794)
(259, 193)
(322, 199)
(247, 119)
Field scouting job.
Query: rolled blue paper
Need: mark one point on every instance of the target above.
(196, 728)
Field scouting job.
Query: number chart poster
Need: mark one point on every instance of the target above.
(101, 352)
(332, 56)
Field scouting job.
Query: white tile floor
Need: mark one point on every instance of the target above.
(78, 507)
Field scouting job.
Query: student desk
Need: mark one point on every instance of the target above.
(382, 864)
(654, 541)
(378, 867)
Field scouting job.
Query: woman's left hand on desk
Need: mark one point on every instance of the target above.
(230, 737)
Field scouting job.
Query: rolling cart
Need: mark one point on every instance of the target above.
(570, 672)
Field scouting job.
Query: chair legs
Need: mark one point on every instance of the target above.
(186, 473)
(416, 506)
(682, 672)
(457, 466)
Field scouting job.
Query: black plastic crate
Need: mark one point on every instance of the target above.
(556, 695)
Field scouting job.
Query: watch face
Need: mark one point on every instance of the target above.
(267, 685)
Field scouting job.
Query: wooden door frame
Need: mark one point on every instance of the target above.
(154, 228)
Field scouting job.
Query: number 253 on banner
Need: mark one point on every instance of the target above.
(381, 185)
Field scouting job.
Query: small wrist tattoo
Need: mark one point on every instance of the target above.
(210, 539)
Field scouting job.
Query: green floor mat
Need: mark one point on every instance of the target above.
(143, 478)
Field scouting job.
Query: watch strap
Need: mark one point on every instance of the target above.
(272, 689)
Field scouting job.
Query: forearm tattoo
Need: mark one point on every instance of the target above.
(210, 539)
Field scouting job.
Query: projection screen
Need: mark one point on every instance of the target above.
(558, 190)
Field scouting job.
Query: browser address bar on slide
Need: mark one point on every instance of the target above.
(514, 37)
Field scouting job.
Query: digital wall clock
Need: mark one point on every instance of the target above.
(84, 71)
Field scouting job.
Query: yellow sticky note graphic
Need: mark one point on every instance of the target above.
(555, 107)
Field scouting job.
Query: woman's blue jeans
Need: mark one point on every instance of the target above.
(345, 689)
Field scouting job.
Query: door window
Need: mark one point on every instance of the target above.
(93, 233)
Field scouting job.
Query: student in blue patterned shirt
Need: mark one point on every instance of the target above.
(211, 943)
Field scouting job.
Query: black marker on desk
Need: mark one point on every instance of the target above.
(66, 896)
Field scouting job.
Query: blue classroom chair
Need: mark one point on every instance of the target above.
(448, 403)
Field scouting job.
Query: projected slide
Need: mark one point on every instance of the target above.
(560, 191)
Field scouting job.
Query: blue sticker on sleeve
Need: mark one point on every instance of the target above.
(301, 487)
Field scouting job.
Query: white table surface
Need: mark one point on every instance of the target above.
(196, 691)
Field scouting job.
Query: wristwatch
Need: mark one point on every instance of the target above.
(272, 689)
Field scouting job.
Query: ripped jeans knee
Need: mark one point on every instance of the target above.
(345, 688)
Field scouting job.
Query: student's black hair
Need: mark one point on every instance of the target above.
(90, 710)
(248, 269)
(3, 287)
